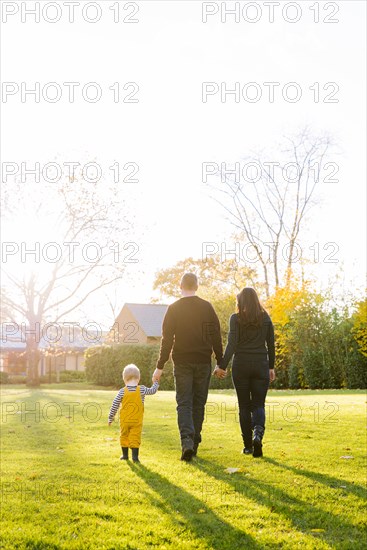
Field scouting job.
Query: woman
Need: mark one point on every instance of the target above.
(251, 341)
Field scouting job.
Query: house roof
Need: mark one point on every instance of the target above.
(149, 317)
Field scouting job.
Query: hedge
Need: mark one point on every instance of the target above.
(65, 376)
(104, 366)
(4, 378)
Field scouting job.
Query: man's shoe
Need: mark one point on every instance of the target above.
(248, 450)
(187, 454)
(195, 449)
(187, 449)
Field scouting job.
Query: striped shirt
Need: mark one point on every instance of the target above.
(119, 397)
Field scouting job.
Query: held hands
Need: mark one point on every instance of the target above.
(219, 373)
(156, 375)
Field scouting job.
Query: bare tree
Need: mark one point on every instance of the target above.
(269, 205)
(76, 215)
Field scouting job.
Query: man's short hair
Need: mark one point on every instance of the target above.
(189, 281)
(131, 372)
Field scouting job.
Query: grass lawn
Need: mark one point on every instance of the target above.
(64, 487)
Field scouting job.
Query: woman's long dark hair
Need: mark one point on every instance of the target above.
(250, 310)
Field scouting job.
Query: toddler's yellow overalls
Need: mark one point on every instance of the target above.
(131, 418)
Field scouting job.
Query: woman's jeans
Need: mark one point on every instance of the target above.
(250, 375)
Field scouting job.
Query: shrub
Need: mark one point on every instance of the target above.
(294, 377)
(65, 376)
(104, 366)
(17, 379)
(356, 370)
(4, 378)
(72, 376)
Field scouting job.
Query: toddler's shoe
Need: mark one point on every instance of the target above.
(135, 453)
(125, 453)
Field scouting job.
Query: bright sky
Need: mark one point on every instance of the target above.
(170, 132)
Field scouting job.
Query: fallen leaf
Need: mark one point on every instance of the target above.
(232, 470)
(318, 530)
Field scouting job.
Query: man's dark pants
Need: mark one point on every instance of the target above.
(192, 386)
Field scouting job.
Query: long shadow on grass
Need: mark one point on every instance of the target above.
(333, 482)
(302, 514)
(200, 519)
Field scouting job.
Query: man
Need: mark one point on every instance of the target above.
(191, 330)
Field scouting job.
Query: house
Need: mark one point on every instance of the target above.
(138, 324)
(66, 353)
(12, 354)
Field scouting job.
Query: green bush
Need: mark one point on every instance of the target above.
(72, 376)
(48, 378)
(17, 379)
(356, 370)
(65, 376)
(4, 378)
(294, 376)
(104, 366)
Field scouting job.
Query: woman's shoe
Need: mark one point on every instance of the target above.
(257, 441)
